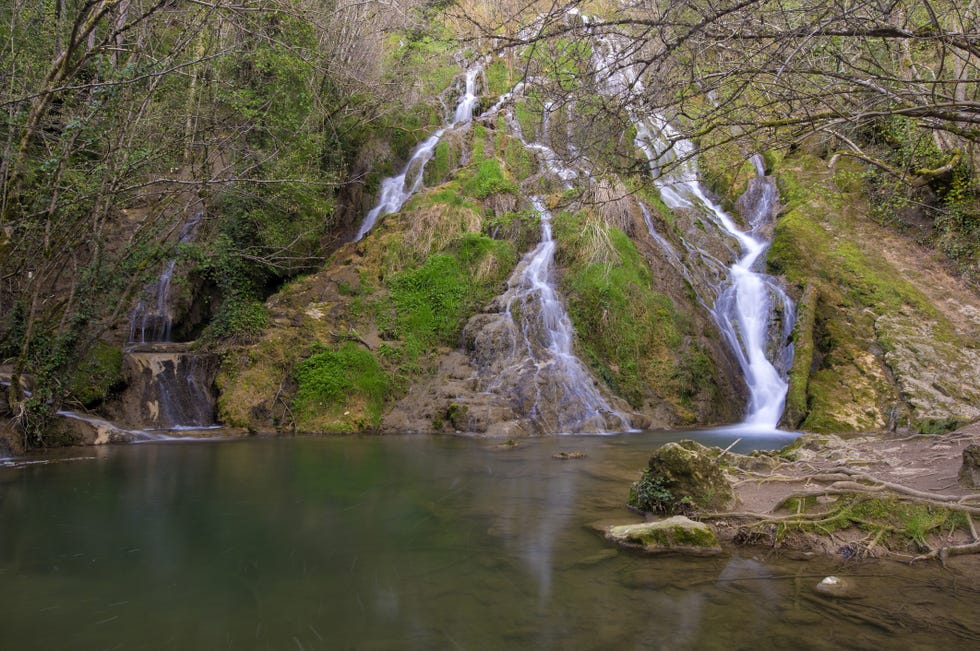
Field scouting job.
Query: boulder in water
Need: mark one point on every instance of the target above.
(682, 476)
(678, 534)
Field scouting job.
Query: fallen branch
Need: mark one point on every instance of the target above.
(725, 451)
(943, 553)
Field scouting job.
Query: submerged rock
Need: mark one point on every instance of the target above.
(835, 586)
(682, 476)
(678, 534)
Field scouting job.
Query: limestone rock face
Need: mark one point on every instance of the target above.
(678, 534)
(970, 471)
(682, 474)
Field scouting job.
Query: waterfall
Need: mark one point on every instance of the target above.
(396, 190)
(744, 305)
(745, 299)
(167, 385)
(524, 345)
(171, 389)
(526, 350)
(151, 320)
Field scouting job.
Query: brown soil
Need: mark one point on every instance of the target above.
(921, 469)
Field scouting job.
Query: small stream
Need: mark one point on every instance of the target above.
(410, 542)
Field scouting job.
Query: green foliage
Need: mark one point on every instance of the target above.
(528, 112)
(694, 375)
(935, 426)
(489, 179)
(498, 78)
(332, 381)
(429, 300)
(426, 306)
(238, 319)
(626, 328)
(518, 159)
(897, 523)
(652, 494)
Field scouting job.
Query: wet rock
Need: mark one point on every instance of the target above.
(970, 470)
(83, 430)
(167, 385)
(682, 476)
(835, 586)
(678, 534)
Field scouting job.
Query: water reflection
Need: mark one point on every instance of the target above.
(405, 543)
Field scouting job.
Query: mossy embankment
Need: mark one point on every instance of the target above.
(640, 341)
(884, 337)
(373, 340)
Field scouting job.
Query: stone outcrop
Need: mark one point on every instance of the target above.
(167, 386)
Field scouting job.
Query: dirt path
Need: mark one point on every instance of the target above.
(929, 271)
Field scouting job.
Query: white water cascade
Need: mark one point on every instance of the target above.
(524, 344)
(744, 305)
(168, 385)
(396, 190)
(151, 319)
(529, 350)
(744, 298)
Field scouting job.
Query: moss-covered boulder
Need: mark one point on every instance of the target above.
(99, 374)
(681, 477)
(678, 534)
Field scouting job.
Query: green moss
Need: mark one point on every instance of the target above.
(667, 534)
(694, 537)
(518, 159)
(488, 179)
(427, 306)
(498, 78)
(332, 384)
(803, 349)
(98, 374)
(654, 537)
(900, 524)
(627, 329)
(528, 114)
(479, 142)
(444, 160)
(839, 381)
(935, 426)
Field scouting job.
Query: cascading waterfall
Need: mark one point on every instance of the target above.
(168, 384)
(744, 305)
(529, 350)
(396, 190)
(526, 348)
(745, 299)
(151, 319)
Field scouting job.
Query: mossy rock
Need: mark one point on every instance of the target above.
(98, 374)
(682, 476)
(678, 534)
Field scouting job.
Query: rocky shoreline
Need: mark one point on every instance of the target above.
(905, 498)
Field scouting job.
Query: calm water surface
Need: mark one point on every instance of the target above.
(408, 543)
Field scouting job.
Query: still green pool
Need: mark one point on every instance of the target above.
(407, 543)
